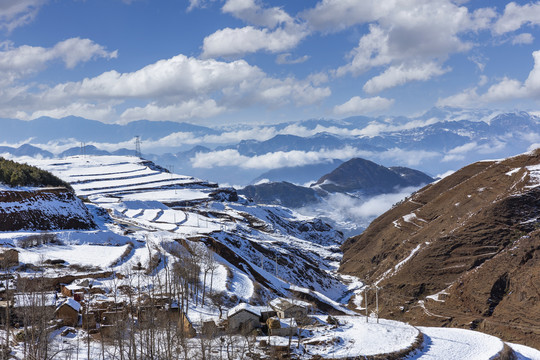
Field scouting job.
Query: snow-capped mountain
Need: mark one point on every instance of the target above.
(439, 140)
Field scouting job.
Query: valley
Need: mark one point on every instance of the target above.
(148, 223)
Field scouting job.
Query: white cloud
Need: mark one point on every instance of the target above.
(237, 42)
(334, 15)
(401, 74)
(272, 160)
(359, 106)
(404, 34)
(286, 59)
(505, 90)
(184, 110)
(179, 75)
(103, 111)
(15, 13)
(460, 152)
(278, 159)
(16, 62)
(252, 12)
(515, 16)
(76, 50)
(274, 31)
(175, 88)
(524, 38)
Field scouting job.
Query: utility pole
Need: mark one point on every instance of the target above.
(365, 301)
(377, 302)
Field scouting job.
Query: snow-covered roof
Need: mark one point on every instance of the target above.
(284, 304)
(255, 310)
(71, 303)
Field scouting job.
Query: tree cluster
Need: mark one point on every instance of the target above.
(16, 174)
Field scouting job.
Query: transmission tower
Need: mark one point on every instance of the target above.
(138, 146)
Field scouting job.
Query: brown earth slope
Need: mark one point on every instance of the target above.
(473, 240)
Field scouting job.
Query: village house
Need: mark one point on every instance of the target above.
(72, 290)
(282, 327)
(78, 289)
(244, 318)
(68, 312)
(290, 308)
(9, 257)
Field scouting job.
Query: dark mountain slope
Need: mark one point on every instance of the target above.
(280, 193)
(369, 178)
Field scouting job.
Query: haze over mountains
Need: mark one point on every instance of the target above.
(439, 140)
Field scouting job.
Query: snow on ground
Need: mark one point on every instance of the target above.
(513, 171)
(169, 195)
(355, 337)
(94, 255)
(525, 352)
(409, 217)
(400, 264)
(457, 344)
(534, 175)
(135, 197)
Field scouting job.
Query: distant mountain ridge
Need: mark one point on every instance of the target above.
(46, 129)
(357, 176)
(369, 178)
(437, 141)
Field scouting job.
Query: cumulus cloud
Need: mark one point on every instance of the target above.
(359, 106)
(413, 32)
(237, 42)
(177, 88)
(515, 16)
(16, 62)
(505, 90)
(401, 74)
(334, 15)
(252, 12)
(270, 29)
(15, 13)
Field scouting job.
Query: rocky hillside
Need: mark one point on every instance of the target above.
(42, 209)
(34, 199)
(368, 178)
(464, 251)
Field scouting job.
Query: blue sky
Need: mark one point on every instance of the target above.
(223, 61)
